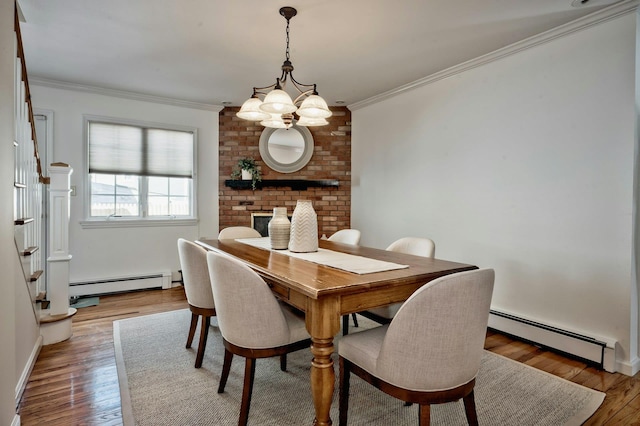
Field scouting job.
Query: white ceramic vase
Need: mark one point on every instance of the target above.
(304, 228)
(279, 229)
(246, 174)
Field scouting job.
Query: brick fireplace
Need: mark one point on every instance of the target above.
(331, 160)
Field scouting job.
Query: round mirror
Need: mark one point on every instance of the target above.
(286, 150)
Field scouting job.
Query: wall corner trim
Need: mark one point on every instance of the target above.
(595, 18)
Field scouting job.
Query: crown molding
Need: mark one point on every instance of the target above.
(65, 85)
(603, 15)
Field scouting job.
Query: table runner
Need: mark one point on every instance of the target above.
(335, 259)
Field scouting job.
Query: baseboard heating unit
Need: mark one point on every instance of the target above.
(600, 351)
(119, 284)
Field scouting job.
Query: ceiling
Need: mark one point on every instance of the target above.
(215, 51)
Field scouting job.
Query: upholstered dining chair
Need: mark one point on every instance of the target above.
(424, 247)
(197, 287)
(233, 232)
(346, 236)
(413, 245)
(252, 322)
(430, 353)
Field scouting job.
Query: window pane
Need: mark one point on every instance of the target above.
(127, 206)
(158, 206)
(127, 200)
(114, 195)
(180, 191)
(102, 195)
(127, 185)
(158, 186)
(180, 206)
(180, 186)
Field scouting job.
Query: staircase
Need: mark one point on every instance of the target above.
(30, 190)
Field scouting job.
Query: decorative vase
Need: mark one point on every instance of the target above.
(279, 229)
(304, 228)
(246, 174)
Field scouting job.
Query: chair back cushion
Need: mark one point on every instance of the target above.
(248, 313)
(195, 274)
(234, 232)
(436, 339)
(346, 236)
(412, 245)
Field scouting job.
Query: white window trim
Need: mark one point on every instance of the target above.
(111, 222)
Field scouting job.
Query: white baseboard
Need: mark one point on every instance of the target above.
(26, 372)
(15, 421)
(629, 368)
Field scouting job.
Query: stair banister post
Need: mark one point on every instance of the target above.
(59, 257)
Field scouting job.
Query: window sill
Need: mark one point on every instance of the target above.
(139, 223)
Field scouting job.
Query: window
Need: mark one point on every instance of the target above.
(139, 172)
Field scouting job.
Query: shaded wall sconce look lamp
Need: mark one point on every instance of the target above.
(276, 109)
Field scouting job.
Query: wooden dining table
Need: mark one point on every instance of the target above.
(326, 293)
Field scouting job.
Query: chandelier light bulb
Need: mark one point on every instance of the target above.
(278, 101)
(250, 110)
(314, 107)
(274, 121)
(309, 122)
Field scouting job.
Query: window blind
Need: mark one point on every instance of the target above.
(131, 150)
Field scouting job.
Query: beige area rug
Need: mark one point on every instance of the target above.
(160, 386)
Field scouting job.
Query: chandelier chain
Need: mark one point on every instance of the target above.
(287, 51)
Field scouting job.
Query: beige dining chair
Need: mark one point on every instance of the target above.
(252, 322)
(234, 232)
(197, 287)
(424, 247)
(346, 236)
(430, 353)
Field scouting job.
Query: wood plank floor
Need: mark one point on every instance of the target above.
(75, 382)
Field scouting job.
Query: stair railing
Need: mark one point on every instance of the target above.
(28, 183)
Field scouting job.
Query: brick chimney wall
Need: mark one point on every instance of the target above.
(331, 160)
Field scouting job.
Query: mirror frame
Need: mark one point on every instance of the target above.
(307, 151)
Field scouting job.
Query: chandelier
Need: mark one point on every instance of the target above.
(276, 108)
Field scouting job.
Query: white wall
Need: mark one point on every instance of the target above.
(7, 248)
(112, 252)
(525, 165)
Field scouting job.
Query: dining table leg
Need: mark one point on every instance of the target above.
(323, 322)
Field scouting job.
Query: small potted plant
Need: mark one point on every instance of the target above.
(247, 169)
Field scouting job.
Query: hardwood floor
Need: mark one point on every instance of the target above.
(75, 382)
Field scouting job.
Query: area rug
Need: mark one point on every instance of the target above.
(160, 386)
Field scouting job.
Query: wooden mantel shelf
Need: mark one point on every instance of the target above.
(294, 184)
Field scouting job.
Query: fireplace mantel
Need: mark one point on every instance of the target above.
(294, 184)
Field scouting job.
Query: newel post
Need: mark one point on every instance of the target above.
(55, 325)
(59, 257)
